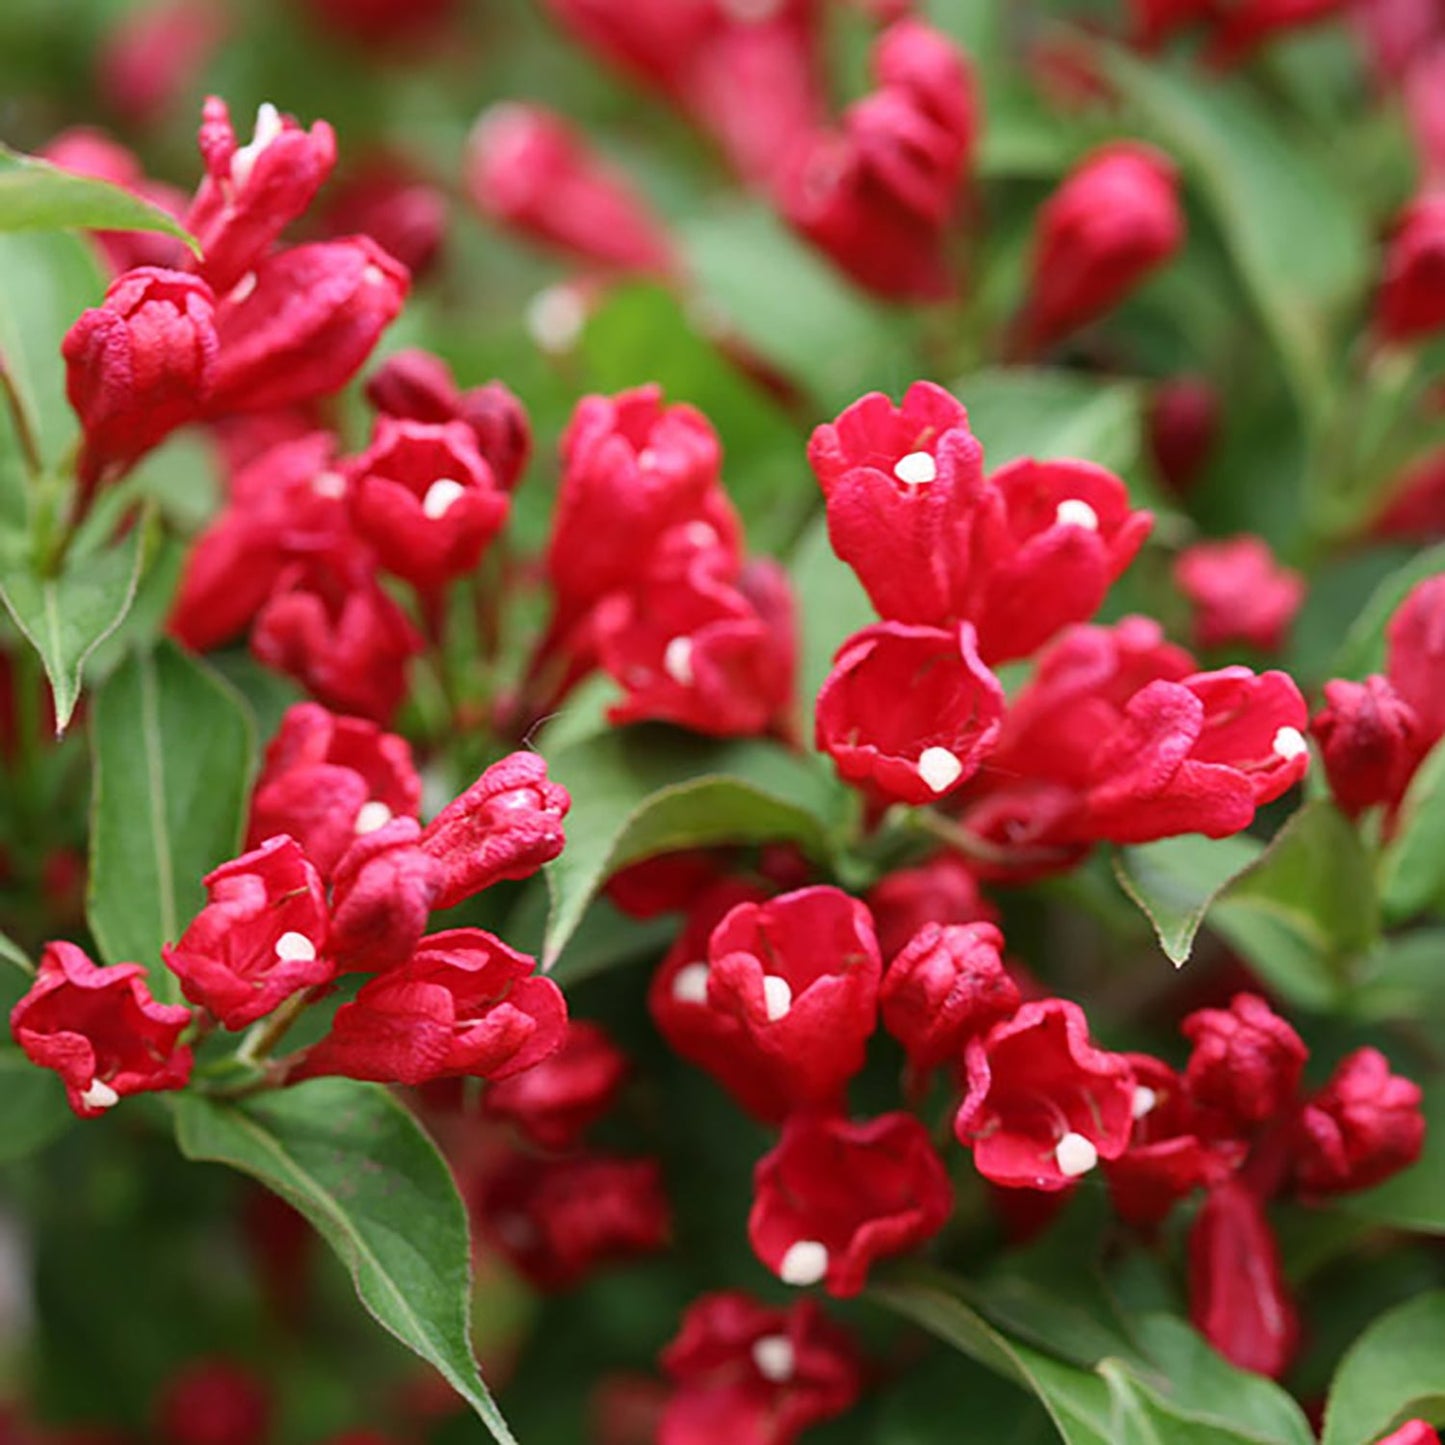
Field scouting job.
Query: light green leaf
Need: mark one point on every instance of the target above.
(640, 791)
(65, 618)
(37, 196)
(350, 1158)
(1415, 1198)
(1176, 880)
(14, 955)
(1299, 245)
(1394, 1372)
(33, 1107)
(1412, 867)
(172, 755)
(1402, 978)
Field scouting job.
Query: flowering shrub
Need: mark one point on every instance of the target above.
(746, 698)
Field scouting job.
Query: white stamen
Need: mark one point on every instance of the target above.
(1075, 512)
(647, 459)
(689, 983)
(373, 275)
(1144, 1101)
(805, 1263)
(99, 1095)
(917, 469)
(441, 497)
(242, 289)
(775, 1358)
(371, 816)
(268, 127)
(677, 661)
(777, 997)
(1075, 1154)
(294, 947)
(1290, 743)
(329, 484)
(939, 768)
(700, 534)
(555, 318)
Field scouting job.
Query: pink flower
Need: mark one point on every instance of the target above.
(1239, 593)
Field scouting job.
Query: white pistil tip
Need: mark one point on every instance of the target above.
(701, 534)
(1075, 512)
(689, 984)
(1144, 1101)
(939, 768)
(777, 997)
(1075, 1154)
(677, 661)
(555, 319)
(775, 1358)
(329, 484)
(242, 289)
(99, 1095)
(293, 947)
(371, 816)
(804, 1264)
(1290, 743)
(917, 469)
(373, 275)
(268, 127)
(440, 498)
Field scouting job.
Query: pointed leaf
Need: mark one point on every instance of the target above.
(1394, 1372)
(172, 755)
(356, 1163)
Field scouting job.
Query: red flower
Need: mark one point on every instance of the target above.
(1411, 302)
(1043, 1104)
(1370, 742)
(1412, 1432)
(465, 1004)
(140, 364)
(743, 1372)
(100, 1030)
(668, 883)
(909, 711)
(1239, 593)
(797, 978)
(1361, 1128)
(947, 986)
(214, 1402)
(306, 325)
(1247, 1061)
(559, 1220)
(528, 169)
(1115, 219)
(327, 780)
(261, 937)
(939, 891)
(252, 192)
(381, 896)
(1237, 1294)
(554, 1102)
(1416, 651)
(505, 826)
(834, 1196)
(425, 500)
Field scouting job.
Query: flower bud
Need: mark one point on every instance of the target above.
(1410, 305)
(381, 896)
(1415, 649)
(1246, 1061)
(1183, 427)
(213, 1402)
(1370, 740)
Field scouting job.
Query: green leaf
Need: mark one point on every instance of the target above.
(640, 791)
(1402, 978)
(33, 1107)
(1176, 880)
(606, 939)
(46, 281)
(1412, 867)
(172, 755)
(14, 955)
(1394, 1372)
(1300, 247)
(350, 1158)
(1363, 650)
(1305, 910)
(1415, 1198)
(66, 618)
(37, 196)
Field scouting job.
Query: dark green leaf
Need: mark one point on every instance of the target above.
(1394, 1372)
(350, 1158)
(1176, 880)
(37, 196)
(1299, 245)
(1412, 867)
(46, 281)
(172, 752)
(65, 618)
(1415, 1198)
(640, 791)
(1363, 650)
(33, 1108)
